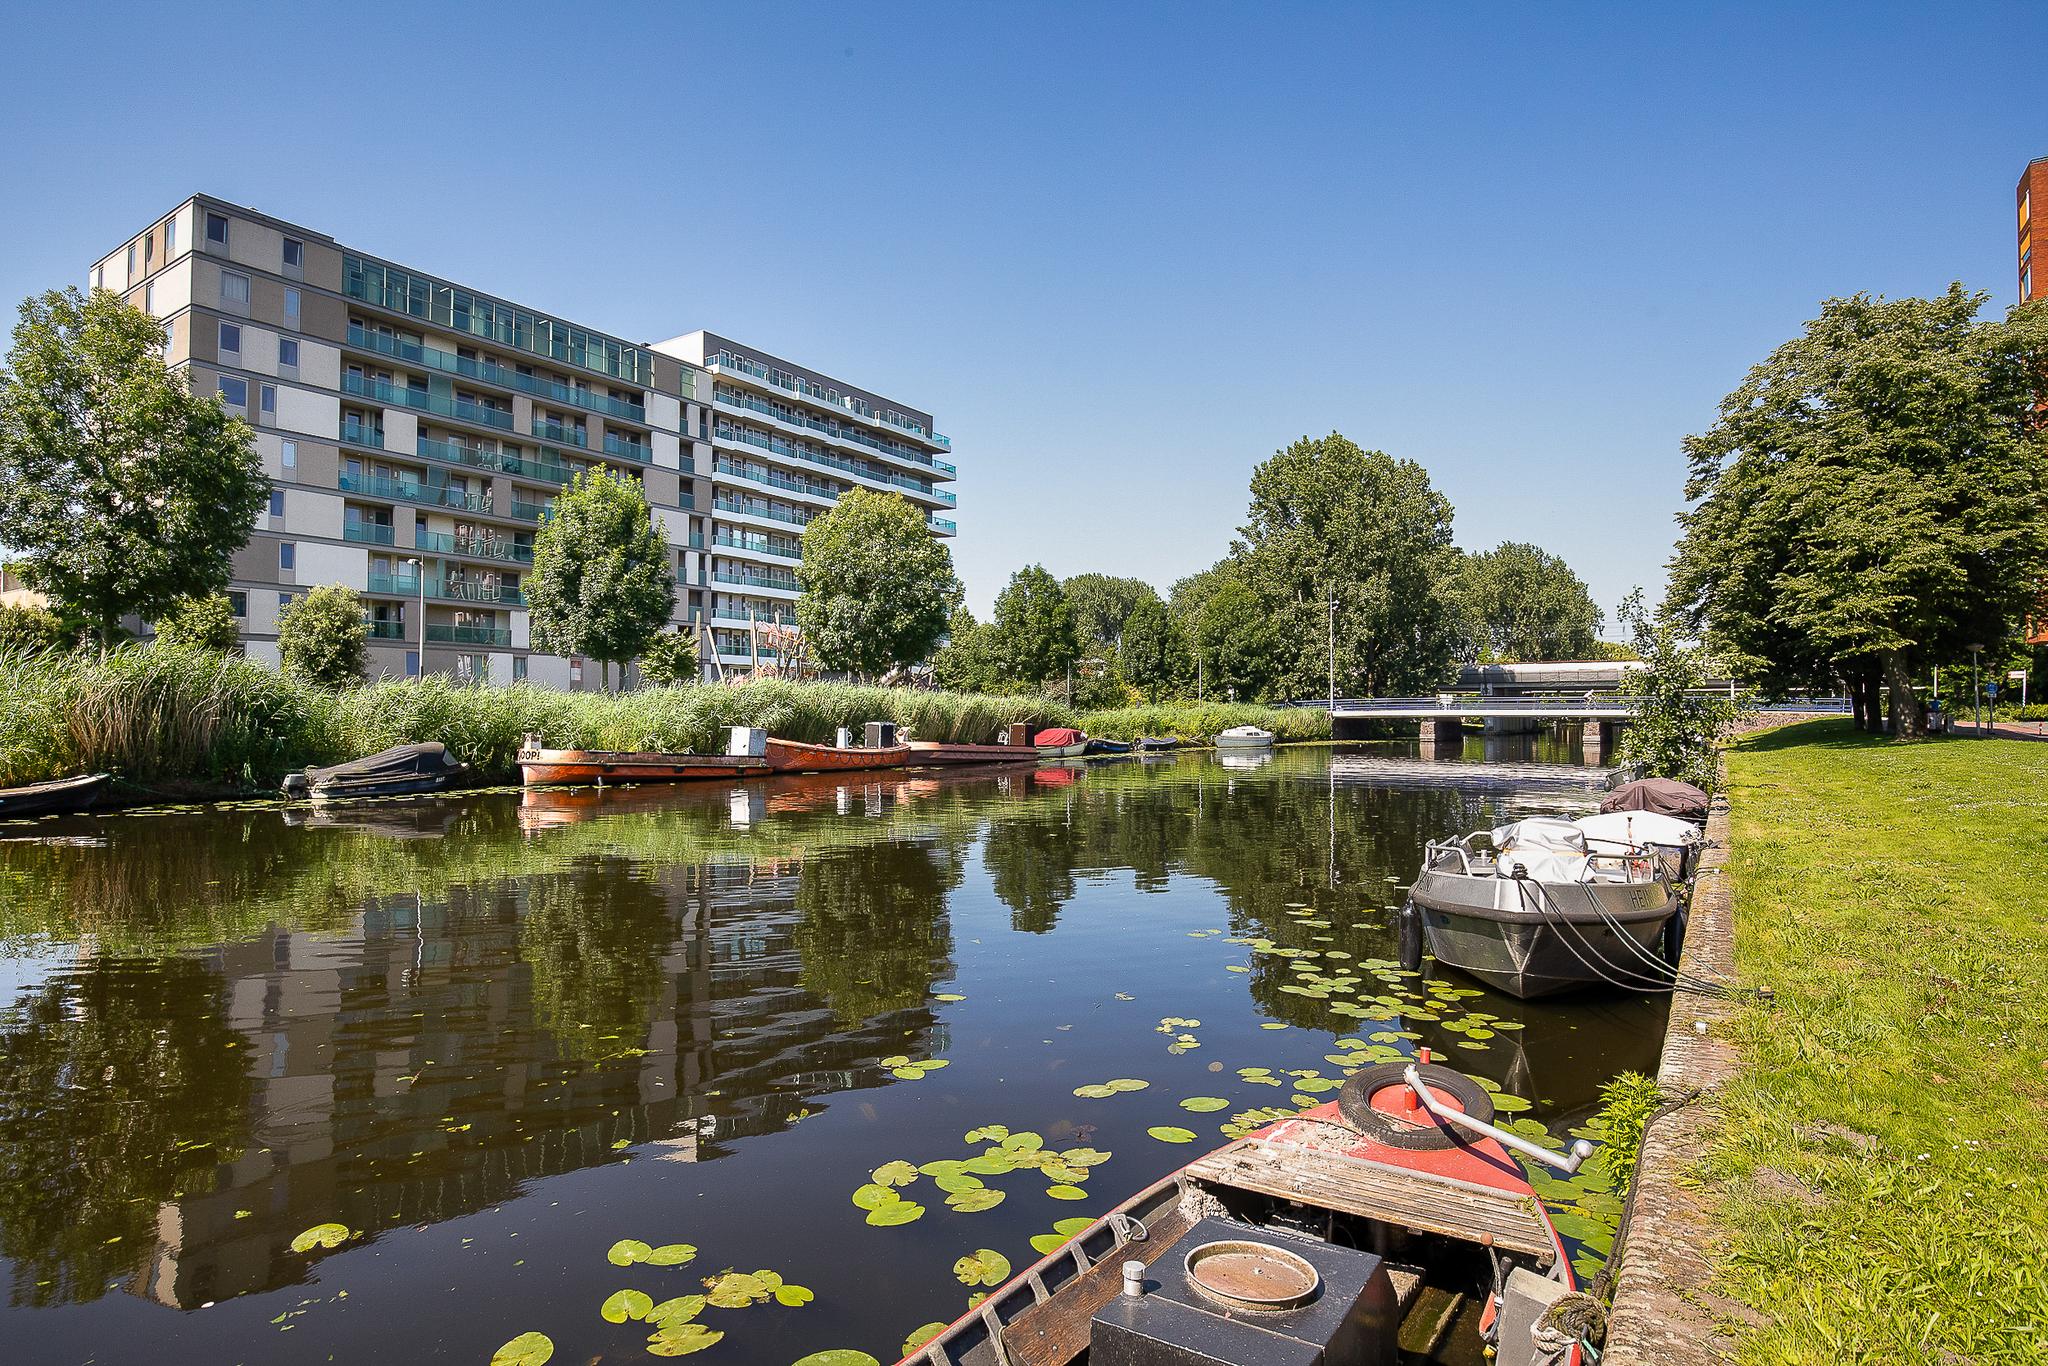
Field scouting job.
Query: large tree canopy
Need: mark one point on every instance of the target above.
(878, 585)
(1102, 603)
(1874, 497)
(967, 663)
(601, 583)
(121, 489)
(1521, 603)
(1329, 519)
(1153, 653)
(1035, 637)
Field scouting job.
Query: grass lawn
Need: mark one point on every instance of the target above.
(1882, 1167)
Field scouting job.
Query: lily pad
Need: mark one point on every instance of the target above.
(1066, 1192)
(838, 1356)
(1084, 1157)
(679, 1310)
(987, 1133)
(1202, 1105)
(873, 1196)
(621, 1305)
(1095, 1092)
(671, 1254)
(901, 1212)
(794, 1296)
(1045, 1244)
(734, 1290)
(322, 1235)
(528, 1349)
(952, 1183)
(984, 1266)
(898, 1173)
(627, 1251)
(920, 1336)
(1023, 1143)
(949, 996)
(896, 1060)
(1126, 1084)
(975, 1201)
(682, 1339)
(1167, 1133)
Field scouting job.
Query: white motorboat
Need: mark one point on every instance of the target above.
(1245, 737)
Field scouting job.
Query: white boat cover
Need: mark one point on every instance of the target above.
(1546, 849)
(1637, 830)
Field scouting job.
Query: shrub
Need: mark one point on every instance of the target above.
(672, 657)
(322, 635)
(202, 624)
(31, 628)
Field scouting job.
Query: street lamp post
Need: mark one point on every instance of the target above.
(1976, 692)
(419, 578)
(1333, 661)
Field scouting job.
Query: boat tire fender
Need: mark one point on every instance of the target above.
(1354, 1102)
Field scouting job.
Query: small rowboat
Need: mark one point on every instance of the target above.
(794, 756)
(1109, 746)
(581, 766)
(1390, 1223)
(937, 752)
(59, 797)
(1154, 744)
(401, 771)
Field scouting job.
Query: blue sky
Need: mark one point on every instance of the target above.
(1123, 252)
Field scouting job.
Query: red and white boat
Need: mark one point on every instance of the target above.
(1060, 742)
(794, 756)
(578, 767)
(938, 752)
(1390, 1225)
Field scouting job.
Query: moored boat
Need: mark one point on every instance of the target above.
(1676, 843)
(1540, 912)
(1245, 737)
(571, 767)
(1100, 746)
(1060, 742)
(942, 752)
(1153, 744)
(794, 756)
(1390, 1223)
(401, 771)
(58, 797)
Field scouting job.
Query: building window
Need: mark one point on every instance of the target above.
(170, 237)
(288, 352)
(238, 602)
(291, 303)
(294, 252)
(99, 277)
(217, 228)
(148, 253)
(277, 502)
(234, 289)
(287, 554)
(230, 340)
(235, 391)
(266, 400)
(170, 340)
(131, 260)
(149, 299)
(284, 600)
(519, 669)
(288, 454)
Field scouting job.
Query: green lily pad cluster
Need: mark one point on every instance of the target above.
(964, 1182)
(1103, 1090)
(677, 1331)
(901, 1066)
(1063, 1232)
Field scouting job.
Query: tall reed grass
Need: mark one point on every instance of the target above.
(1201, 721)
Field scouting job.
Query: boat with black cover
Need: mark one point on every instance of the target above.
(58, 797)
(402, 770)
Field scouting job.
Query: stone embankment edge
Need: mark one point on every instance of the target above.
(1661, 1314)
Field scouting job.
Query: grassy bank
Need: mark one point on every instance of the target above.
(164, 717)
(1880, 1173)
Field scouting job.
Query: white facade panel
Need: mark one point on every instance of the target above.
(313, 414)
(664, 411)
(259, 349)
(668, 451)
(343, 564)
(547, 671)
(401, 431)
(320, 364)
(674, 525)
(171, 290)
(263, 652)
(269, 449)
(262, 619)
(522, 632)
(315, 514)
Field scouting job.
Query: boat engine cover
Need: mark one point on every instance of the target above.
(1352, 1320)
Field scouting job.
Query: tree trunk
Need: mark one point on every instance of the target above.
(1907, 723)
(1853, 685)
(1873, 700)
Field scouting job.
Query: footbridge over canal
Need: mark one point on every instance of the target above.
(1442, 717)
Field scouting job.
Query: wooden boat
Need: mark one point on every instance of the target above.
(58, 797)
(1245, 737)
(1390, 1223)
(1097, 746)
(940, 752)
(1060, 742)
(794, 756)
(401, 771)
(581, 766)
(1539, 913)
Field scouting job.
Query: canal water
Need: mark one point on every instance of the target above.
(478, 1043)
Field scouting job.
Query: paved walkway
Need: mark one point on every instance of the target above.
(2007, 730)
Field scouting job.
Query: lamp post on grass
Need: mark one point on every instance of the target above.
(1976, 692)
(419, 579)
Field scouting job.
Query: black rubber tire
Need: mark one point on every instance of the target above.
(1354, 1102)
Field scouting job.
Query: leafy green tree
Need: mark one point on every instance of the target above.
(878, 585)
(967, 663)
(673, 657)
(206, 623)
(1678, 724)
(25, 629)
(321, 636)
(601, 584)
(1102, 604)
(121, 489)
(1521, 603)
(1329, 519)
(1035, 636)
(1236, 651)
(1873, 498)
(1154, 654)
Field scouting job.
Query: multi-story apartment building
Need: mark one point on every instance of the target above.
(786, 441)
(2032, 195)
(414, 431)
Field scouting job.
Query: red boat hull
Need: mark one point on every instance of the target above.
(791, 756)
(579, 767)
(933, 752)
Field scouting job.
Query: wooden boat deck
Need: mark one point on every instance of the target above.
(1054, 1332)
(1372, 1190)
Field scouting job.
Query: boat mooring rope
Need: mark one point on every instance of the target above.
(1663, 977)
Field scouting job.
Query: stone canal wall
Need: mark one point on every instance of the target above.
(1664, 1312)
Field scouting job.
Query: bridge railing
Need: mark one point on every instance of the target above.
(1542, 705)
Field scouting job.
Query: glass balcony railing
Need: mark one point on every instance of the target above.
(395, 583)
(369, 533)
(478, 545)
(754, 547)
(940, 524)
(385, 630)
(528, 512)
(405, 396)
(361, 434)
(760, 618)
(783, 585)
(752, 509)
(379, 486)
(797, 384)
(490, 372)
(789, 449)
(470, 635)
(560, 433)
(457, 588)
(617, 445)
(774, 480)
(511, 460)
(830, 427)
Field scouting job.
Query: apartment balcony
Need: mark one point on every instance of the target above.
(385, 630)
(751, 547)
(619, 446)
(470, 635)
(560, 434)
(528, 512)
(728, 615)
(763, 582)
(740, 508)
(405, 396)
(450, 590)
(489, 372)
(789, 450)
(361, 434)
(379, 486)
(368, 533)
(481, 547)
(832, 428)
(513, 462)
(847, 403)
(942, 526)
(787, 483)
